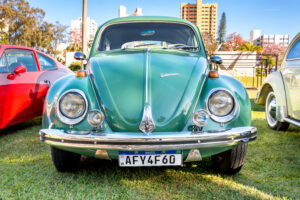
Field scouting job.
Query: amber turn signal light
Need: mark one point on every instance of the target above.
(81, 73)
(213, 74)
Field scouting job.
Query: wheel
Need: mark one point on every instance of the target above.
(231, 161)
(270, 110)
(64, 160)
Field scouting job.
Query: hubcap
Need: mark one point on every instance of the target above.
(271, 109)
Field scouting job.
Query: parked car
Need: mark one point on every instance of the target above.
(279, 92)
(25, 77)
(148, 98)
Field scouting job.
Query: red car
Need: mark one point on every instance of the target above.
(25, 77)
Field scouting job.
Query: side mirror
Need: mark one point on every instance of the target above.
(79, 56)
(20, 69)
(216, 60)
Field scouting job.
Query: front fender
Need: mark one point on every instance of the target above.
(274, 82)
(243, 117)
(50, 119)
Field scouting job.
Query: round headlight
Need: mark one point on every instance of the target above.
(72, 107)
(221, 105)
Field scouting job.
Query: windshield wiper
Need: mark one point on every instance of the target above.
(183, 46)
(144, 44)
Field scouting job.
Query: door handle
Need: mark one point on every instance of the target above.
(47, 82)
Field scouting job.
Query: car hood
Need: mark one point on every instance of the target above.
(169, 81)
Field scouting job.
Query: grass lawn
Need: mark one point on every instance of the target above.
(271, 171)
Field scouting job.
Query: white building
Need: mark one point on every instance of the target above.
(263, 40)
(255, 36)
(76, 28)
(123, 12)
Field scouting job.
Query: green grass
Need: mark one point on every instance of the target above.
(271, 171)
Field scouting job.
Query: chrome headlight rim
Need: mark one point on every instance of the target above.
(203, 123)
(223, 119)
(90, 120)
(65, 119)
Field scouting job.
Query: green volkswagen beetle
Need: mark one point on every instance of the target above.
(148, 97)
(279, 92)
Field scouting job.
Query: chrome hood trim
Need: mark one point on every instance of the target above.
(147, 124)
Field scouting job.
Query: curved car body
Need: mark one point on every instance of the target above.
(146, 96)
(279, 92)
(22, 92)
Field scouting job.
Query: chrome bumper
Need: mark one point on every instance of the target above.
(154, 141)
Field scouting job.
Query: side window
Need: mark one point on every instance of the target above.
(3, 65)
(45, 62)
(20, 57)
(295, 51)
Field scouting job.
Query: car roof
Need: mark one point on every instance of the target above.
(148, 19)
(5, 46)
(15, 46)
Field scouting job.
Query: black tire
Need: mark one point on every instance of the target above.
(231, 162)
(64, 160)
(273, 123)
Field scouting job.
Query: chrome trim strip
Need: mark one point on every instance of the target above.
(94, 91)
(292, 59)
(292, 121)
(147, 76)
(163, 75)
(147, 124)
(128, 141)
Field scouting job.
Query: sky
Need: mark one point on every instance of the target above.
(270, 16)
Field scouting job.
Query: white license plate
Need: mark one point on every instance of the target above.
(150, 158)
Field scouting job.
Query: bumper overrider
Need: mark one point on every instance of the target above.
(155, 141)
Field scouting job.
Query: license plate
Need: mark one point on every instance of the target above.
(150, 158)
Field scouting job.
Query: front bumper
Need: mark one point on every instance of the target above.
(154, 141)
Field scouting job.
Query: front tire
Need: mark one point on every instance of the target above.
(64, 160)
(231, 162)
(270, 111)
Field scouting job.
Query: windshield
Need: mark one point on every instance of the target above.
(148, 34)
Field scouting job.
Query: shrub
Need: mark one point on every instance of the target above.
(75, 66)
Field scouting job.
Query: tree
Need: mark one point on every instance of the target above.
(3, 34)
(234, 42)
(210, 43)
(271, 49)
(76, 36)
(74, 47)
(26, 26)
(222, 30)
(59, 35)
(249, 46)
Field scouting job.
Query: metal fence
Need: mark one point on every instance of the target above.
(249, 68)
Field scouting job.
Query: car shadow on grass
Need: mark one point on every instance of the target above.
(255, 107)
(16, 129)
(195, 177)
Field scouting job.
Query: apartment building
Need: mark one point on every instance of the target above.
(264, 40)
(202, 15)
(76, 29)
